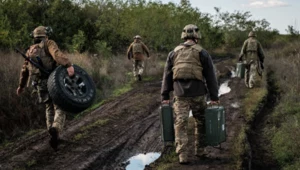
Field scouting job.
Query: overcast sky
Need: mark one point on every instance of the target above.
(279, 13)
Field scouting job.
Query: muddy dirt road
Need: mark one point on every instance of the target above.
(101, 140)
(121, 128)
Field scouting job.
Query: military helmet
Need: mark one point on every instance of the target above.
(137, 37)
(41, 31)
(190, 32)
(251, 34)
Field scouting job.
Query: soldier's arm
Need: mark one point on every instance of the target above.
(260, 51)
(57, 55)
(145, 49)
(243, 50)
(129, 49)
(209, 75)
(167, 82)
(24, 74)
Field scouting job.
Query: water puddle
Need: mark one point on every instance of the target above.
(235, 105)
(190, 113)
(224, 88)
(139, 161)
(233, 73)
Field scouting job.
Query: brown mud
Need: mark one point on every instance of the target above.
(121, 128)
(132, 127)
(219, 157)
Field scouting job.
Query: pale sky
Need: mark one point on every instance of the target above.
(279, 13)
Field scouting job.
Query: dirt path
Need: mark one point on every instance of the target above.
(218, 158)
(119, 129)
(131, 126)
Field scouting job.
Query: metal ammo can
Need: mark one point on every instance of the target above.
(215, 132)
(167, 123)
(240, 70)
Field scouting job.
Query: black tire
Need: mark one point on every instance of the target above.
(71, 94)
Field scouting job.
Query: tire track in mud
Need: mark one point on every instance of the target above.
(133, 127)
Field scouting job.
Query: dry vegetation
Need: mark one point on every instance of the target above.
(283, 130)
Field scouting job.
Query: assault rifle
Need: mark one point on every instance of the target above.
(35, 64)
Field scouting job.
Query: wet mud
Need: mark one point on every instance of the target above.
(132, 127)
(121, 128)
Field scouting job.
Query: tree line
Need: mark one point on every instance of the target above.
(104, 26)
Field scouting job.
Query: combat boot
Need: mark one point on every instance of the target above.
(54, 138)
(139, 77)
(183, 158)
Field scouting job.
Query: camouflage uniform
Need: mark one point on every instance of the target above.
(189, 72)
(136, 51)
(253, 56)
(49, 56)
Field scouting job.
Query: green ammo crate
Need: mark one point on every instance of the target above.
(240, 70)
(167, 123)
(215, 132)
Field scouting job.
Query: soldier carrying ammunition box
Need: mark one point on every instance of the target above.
(189, 72)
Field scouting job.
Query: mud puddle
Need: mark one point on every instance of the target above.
(139, 161)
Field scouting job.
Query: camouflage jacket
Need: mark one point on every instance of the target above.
(190, 87)
(51, 49)
(137, 56)
(252, 50)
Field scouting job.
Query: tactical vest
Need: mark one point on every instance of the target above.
(252, 45)
(187, 64)
(38, 54)
(137, 48)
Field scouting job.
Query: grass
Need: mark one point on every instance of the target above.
(31, 163)
(125, 88)
(84, 130)
(167, 161)
(253, 101)
(240, 147)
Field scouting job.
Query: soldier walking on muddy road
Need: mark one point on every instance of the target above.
(136, 51)
(46, 53)
(253, 56)
(189, 71)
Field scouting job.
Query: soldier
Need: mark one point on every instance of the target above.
(253, 55)
(189, 71)
(136, 51)
(47, 54)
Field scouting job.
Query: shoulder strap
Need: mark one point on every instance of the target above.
(197, 47)
(178, 48)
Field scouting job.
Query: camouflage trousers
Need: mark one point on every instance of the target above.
(55, 117)
(251, 74)
(138, 67)
(182, 107)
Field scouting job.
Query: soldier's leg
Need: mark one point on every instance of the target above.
(49, 114)
(253, 75)
(141, 67)
(181, 110)
(198, 107)
(59, 118)
(135, 69)
(247, 75)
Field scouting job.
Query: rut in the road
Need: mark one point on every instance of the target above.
(132, 128)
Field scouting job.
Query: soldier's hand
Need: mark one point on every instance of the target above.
(19, 90)
(214, 102)
(71, 71)
(165, 102)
